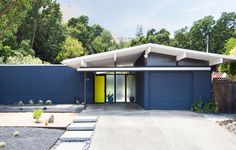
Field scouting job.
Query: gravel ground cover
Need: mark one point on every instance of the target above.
(228, 124)
(29, 138)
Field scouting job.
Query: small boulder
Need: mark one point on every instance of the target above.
(2, 144)
(16, 133)
(51, 119)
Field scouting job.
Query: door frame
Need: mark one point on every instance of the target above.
(105, 88)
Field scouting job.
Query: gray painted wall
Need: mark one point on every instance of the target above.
(58, 83)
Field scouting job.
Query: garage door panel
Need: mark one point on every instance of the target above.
(170, 90)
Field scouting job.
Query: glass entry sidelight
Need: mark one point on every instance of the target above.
(110, 88)
(120, 88)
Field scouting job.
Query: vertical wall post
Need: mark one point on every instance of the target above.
(85, 87)
(115, 84)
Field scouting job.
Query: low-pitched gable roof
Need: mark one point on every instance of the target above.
(128, 56)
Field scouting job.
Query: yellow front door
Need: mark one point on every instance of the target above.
(99, 89)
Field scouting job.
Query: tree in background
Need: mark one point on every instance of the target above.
(199, 31)
(181, 39)
(223, 30)
(11, 14)
(229, 68)
(43, 27)
(71, 48)
(94, 39)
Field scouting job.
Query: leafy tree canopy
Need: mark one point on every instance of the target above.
(71, 48)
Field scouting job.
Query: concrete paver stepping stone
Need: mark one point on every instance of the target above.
(71, 146)
(85, 119)
(76, 136)
(81, 126)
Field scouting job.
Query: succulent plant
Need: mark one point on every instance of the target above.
(37, 114)
(48, 102)
(41, 102)
(20, 103)
(46, 123)
(31, 102)
(16, 133)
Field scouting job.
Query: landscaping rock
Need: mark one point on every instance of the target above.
(51, 119)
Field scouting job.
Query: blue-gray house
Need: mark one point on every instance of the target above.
(154, 76)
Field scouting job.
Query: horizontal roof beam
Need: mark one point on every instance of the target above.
(181, 56)
(143, 69)
(147, 51)
(216, 61)
(83, 63)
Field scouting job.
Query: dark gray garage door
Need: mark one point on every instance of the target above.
(170, 90)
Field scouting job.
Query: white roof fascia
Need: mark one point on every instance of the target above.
(144, 69)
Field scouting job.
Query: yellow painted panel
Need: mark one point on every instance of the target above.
(99, 89)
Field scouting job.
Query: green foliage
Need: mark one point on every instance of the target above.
(181, 39)
(197, 105)
(229, 68)
(199, 31)
(48, 102)
(20, 59)
(43, 27)
(41, 102)
(223, 30)
(20, 103)
(71, 48)
(24, 48)
(37, 114)
(210, 107)
(31, 102)
(102, 43)
(11, 14)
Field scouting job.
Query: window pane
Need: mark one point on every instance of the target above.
(120, 88)
(110, 86)
(131, 88)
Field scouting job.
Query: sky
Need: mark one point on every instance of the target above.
(121, 17)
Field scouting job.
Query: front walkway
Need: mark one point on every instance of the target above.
(127, 126)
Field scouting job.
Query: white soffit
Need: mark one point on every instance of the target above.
(128, 56)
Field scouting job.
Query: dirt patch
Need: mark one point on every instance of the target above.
(61, 120)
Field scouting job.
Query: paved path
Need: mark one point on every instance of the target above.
(120, 128)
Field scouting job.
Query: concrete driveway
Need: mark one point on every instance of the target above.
(128, 127)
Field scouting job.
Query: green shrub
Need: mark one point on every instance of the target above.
(48, 102)
(197, 105)
(31, 102)
(37, 114)
(41, 102)
(20, 103)
(210, 107)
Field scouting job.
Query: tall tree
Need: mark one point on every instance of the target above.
(43, 27)
(11, 14)
(71, 48)
(181, 39)
(223, 30)
(199, 32)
